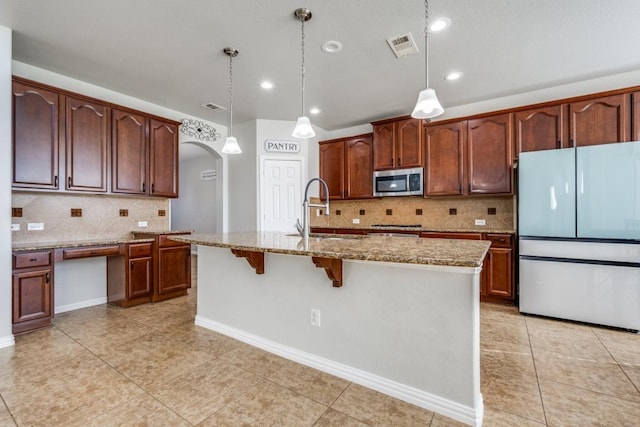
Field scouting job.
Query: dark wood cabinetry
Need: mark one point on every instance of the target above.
(635, 118)
(102, 147)
(541, 129)
(171, 267)
(498, 269)
(130, 277)
(32, 290)
(445, 159)
(345, 164)
(601, 120)
(489, 160)
(35, 137)
(397, 143)
(87, 144)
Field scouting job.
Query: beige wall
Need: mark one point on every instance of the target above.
(435, 213)
(100, 216)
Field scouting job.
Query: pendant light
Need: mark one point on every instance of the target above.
(428, 105)
(303, 127)
(231, 143)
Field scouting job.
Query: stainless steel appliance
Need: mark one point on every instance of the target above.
(398, 182)
(579, 226)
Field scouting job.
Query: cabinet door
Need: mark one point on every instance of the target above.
(489, 162)
(384, 151)
(174, 269)
(140, 284)
(498, 277)
(32, 296)
(409, 143)
(332, 168)
(600, 121)
(541, 129)
(444, 171)
(129, 159)
(87, 143)
(635, 120)
(163, 157)
(359, 170)
(35, 137)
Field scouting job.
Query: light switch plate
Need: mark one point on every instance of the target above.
(481, 222)
(15, 227)
(142, 224)
(356, 220)
(35, 226)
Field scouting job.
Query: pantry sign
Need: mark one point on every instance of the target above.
(274, 146)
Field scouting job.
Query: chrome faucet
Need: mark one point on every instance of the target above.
(304, 228)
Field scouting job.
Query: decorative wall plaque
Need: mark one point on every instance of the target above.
(199, 129)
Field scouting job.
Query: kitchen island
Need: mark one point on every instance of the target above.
(398, 315)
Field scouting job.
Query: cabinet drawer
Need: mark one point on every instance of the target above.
(164, 242)
(137, 250)
(31, 259)
(499, 240)
(90, 252)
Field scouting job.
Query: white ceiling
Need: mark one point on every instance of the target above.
(169, 52)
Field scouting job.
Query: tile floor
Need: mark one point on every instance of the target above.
(150, 366)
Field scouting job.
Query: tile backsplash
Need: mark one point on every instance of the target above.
(78, 217)
(441, 214)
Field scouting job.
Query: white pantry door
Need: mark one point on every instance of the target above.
(281, 194)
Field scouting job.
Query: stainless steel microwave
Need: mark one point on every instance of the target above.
(398, 182)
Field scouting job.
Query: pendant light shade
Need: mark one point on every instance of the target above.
(303, 127)
(231, 143)
(231, 146)
(428, 105)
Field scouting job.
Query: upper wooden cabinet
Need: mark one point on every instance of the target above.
(444, 165)
(129, 158)
(489, 161)
(600, 120)
(397, 143)
(163, 158)
(346, 166)
(87, 143)
(102, 148)
(541, 129)
(35, 137)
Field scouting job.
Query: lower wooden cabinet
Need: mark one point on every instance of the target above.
(32, 290)
(130, 277)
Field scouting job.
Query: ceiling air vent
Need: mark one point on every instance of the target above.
(214, 107)
(403, 45)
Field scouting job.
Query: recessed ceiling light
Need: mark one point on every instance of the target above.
(455, 75)
(439, 24)
(331, 46)
(266, 85)
(314, 110)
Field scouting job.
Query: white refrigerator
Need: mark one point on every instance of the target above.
(579, 234)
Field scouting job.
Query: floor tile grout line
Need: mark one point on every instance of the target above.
(535, 369)
(13, 418)
(616, 360)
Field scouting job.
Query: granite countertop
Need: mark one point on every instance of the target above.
(33, 246)
(432, 229)
(446, 252)
(159, 232)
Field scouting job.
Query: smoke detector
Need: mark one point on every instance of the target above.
(403, 45)
(214, 107)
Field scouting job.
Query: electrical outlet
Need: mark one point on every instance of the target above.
(142, 224)
(15, 227)
(481, 222)
(315, 317)
(356, 220)
(318, 212)
(35, 226)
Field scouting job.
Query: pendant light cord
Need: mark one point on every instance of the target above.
(302, 21)
(230, 95)
(426, 40)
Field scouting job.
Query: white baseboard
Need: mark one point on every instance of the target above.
(392, 388)
(81, 304)
(7, 341)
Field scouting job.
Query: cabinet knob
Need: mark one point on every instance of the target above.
(559, 144)
(132, 264)
(47, 277)
(144, 187)
(55, 181)
(153, 188)
(69, 182)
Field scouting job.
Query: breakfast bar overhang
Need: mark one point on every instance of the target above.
(404, 322)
